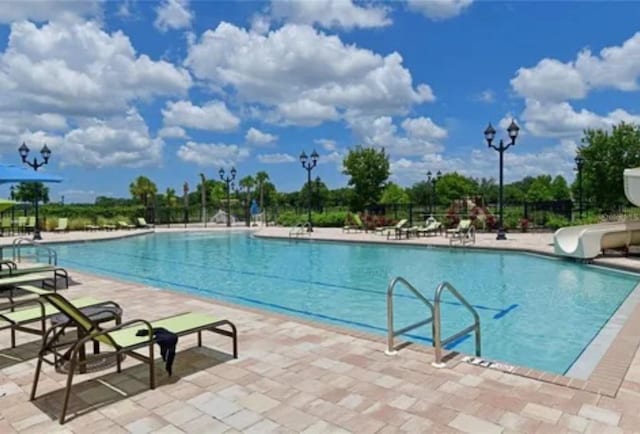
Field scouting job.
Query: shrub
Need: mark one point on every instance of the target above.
(555, 222)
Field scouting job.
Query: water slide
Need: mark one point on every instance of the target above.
(586, 242)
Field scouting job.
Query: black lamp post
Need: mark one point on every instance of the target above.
(433, 181)
(13, 209)
(35, 164)
(489, 135)
(228, 180)
(579, 165)
(308, 165)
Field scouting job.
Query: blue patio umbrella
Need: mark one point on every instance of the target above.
(10, 173)
(255, 209)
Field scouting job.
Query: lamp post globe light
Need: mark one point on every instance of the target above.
(308, 164)
(228, 180)
(35, 165)
(489, 135)
(579, 165)
(433, 181)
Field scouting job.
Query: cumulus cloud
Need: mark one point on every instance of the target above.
(331, 13)
(46, 10)
(327, 145)
(304, 76)
(212, 154)
(79, 69)
(277, 158)
(550, 80)
(257, 137)
(213, 116)
(488, 96)
(439, 9)
(172, 132)
(421, 135)
(173, 14)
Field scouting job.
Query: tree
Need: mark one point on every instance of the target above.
(368, 171)
(261, 178)
(540, 189)
(606, 155)
(32, 191)
(453, 186)
(421, 193)
(560, 189)
(393, 193)
(143, 190)
(170, 198)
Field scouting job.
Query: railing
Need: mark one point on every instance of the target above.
(18, 243)
(434, 319)
(438, 342)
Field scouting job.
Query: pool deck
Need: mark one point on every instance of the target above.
(298, 376)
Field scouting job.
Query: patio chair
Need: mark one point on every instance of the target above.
(125, 225)
(16, 315)
(465, 233)
(46, 280)
(63, 225)
(433, 227)
(397, 229)
(30, 225)
(11, 268)
(142, 223)
(109, 227)
(299, 230)
(6, 225)
(89, 227)
(356, 225)
(123, 338)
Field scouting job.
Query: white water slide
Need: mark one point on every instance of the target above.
(586, 242)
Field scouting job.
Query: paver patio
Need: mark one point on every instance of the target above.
(295, 376)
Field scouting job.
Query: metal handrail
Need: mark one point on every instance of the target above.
(391, 333)
(438, 342)
(17, 250)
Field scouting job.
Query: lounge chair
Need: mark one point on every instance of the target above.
(63, 225)
(46, 280)
(397, 229)
(125, 225)
(433, 227)
(109, 227)
(30, 225)
(22, 223)
(464, 233)
(15, 315)
(299, 229)
(142, 223)
(6, 225)
(356, 224)
(122, 338)
(89, 227)
(11, 268)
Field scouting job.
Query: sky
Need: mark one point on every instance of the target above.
(174, 88)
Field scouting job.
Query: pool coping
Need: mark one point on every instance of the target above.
(608, 374)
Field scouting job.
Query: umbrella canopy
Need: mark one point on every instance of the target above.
(12, 173)
(5, 204)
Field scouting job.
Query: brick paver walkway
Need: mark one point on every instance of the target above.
(293, 376)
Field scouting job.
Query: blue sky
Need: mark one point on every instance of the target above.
(174, 88)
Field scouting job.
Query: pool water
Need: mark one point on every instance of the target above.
(534, 311)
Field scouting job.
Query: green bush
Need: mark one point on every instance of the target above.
(588, 220)
(335, 219)
(555, 222)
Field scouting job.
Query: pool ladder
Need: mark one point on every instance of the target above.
(435, 319)
(18, 244)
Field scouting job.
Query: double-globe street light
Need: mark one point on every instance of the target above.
(228, 180)
(308, 165)
(579, 165)
(433, 181)
(35, 164)
(489, 135)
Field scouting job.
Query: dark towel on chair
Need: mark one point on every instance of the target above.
(167, 341)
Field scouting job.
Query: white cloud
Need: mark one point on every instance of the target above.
(550, 80)
(439, 9)
(331, 13)
(173, 132)
(487, 96)
(257, 137)
(381, 132)
(277, 158)
(327, 145)
(423, 128)
(212, 154)
(306, 77)
(117, 141)
(213, 116)
(77, 68)
(46, 10)
(173, 14)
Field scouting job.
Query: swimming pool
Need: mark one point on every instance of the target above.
(534, 311)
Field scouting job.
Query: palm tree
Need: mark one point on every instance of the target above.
(203, 192)
(143, 189)
(261, 178)
(247, 183)
(171, 201)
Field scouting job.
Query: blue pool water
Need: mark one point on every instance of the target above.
(534, 311)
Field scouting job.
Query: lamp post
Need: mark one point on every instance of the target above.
(228, 180)
(13, 209)
(433, 180)
(579, 164)
(308, 165)
(489, 135)
(35, 164)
